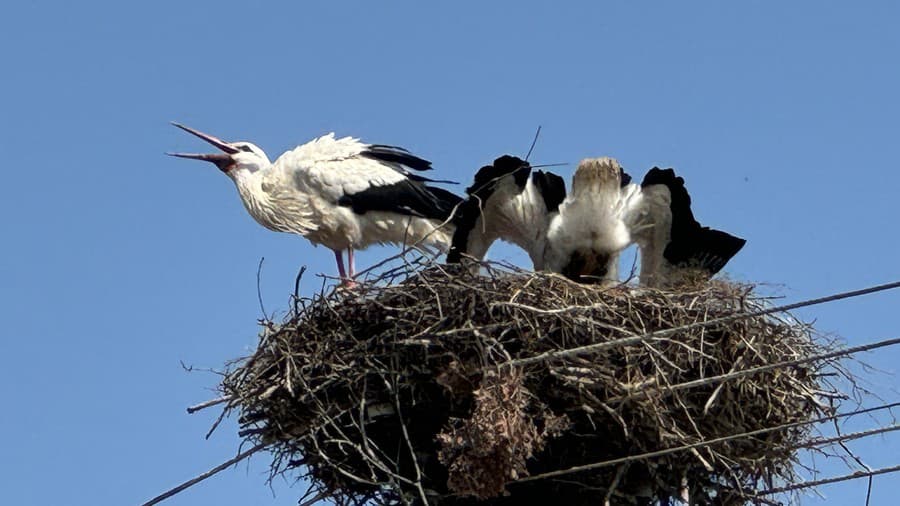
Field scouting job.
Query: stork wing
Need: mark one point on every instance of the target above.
(707, 249)
(691, 244)
(336, 171)
(405, 197)
(396, 155)
(624, 177)
(506, 201)
(683, 222)
(551, 187)
(398, 159)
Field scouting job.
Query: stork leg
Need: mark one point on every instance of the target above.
(340, 264)
(346, 281)
(350, 261)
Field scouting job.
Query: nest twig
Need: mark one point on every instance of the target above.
(415, 388)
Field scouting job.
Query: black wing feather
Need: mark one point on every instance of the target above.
(551, 187)
(691, 244)
(625, 177)
(705, 248)
(423, 179)
(396, 155)
(405, 197)
(486, 178)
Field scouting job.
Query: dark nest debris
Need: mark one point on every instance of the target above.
(451, 388)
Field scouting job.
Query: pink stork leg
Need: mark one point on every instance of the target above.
(350, 260)
(340, 264)
(346, 281)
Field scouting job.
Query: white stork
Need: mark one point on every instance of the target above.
(674, 246)
(341, 193)
(584, 240)
(507, 201)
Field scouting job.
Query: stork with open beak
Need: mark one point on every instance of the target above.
(341, 193)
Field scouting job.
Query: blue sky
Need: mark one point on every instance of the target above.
(119, 263)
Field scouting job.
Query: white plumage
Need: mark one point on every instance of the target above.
(582, 235)
(650, 225)
(341, 193)
(579, 235)
(510, 202)
(586, 237)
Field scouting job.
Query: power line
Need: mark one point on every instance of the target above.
(760, 369)
(659, 453)
(826, 481)
(812, 443)
(593, 348)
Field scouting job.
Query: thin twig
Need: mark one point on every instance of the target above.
(193, 481)
(533, 142)
(837, 429)
(318, 497)
(259, 290)
(203, 405)
(297, 289)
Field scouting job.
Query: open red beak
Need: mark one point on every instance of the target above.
(222, 160)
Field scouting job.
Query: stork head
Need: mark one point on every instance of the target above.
(235, 156)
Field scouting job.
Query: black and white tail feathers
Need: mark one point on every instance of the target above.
(690, 244)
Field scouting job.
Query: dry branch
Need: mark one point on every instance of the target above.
(424, 386)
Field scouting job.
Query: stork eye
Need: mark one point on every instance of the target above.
(245, 149)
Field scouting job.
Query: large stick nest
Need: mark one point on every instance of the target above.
(427, 390)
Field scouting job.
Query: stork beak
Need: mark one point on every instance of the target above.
(215, 141)
(222, 160)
